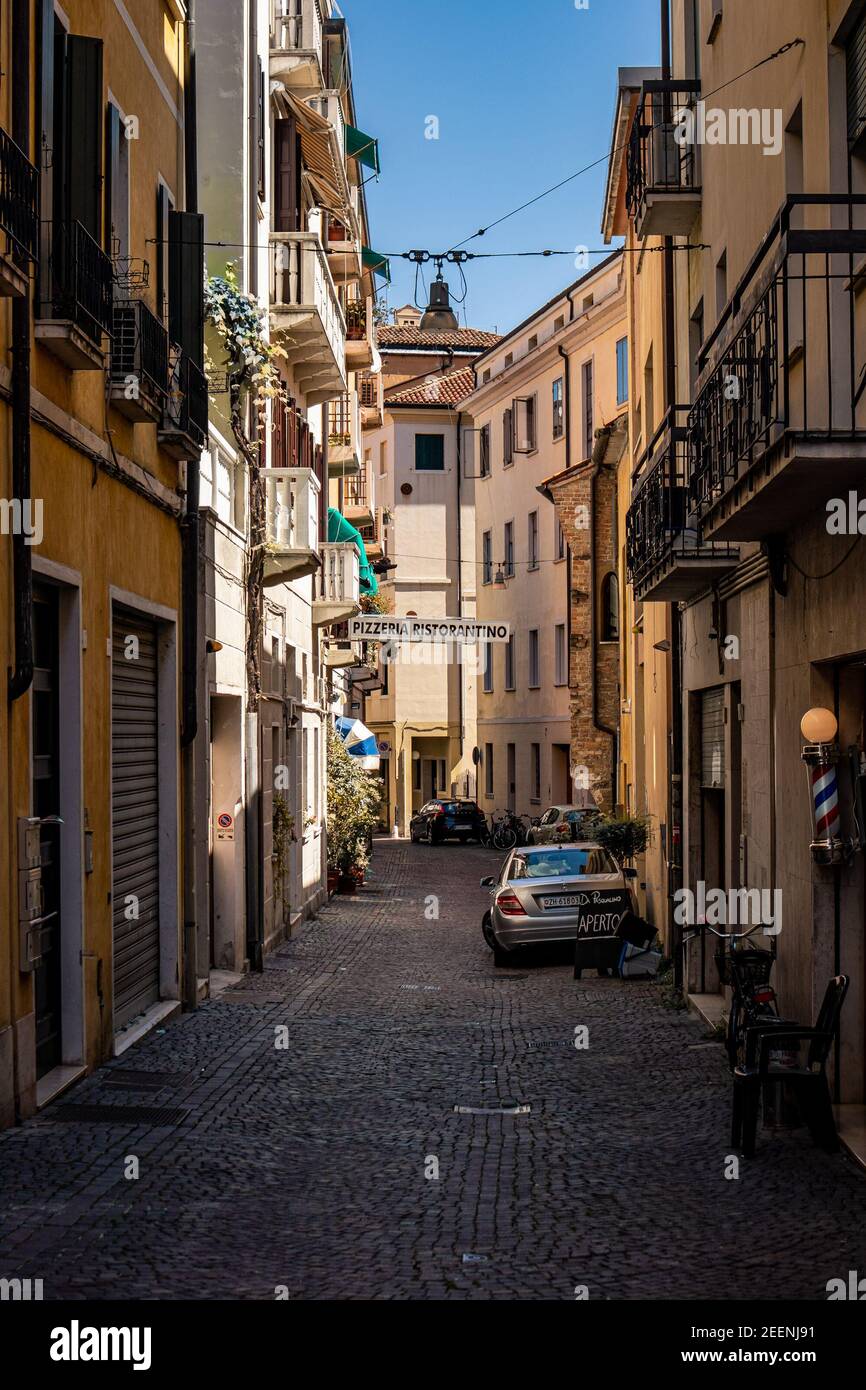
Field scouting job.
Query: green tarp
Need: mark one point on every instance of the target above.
(339, 529)
(362, 147)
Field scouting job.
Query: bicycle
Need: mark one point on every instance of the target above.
(508, 831)
(747, 973)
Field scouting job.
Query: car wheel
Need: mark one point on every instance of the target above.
(487, 931)
(430, 833)
(500, 957)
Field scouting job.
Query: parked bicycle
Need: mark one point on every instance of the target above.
(508, 831)
(747, 973)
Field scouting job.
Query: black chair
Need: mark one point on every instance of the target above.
(808, 1080)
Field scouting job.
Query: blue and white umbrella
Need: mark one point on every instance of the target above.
(360, 742)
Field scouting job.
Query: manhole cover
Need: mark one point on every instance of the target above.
(506, 1108)
(124, 1078)
(118, 1114)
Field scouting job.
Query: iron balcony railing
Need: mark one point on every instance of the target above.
(660, 524)
(356, 493)
(788, 356)
(661, 155)
(139, 348)
(19, 199)
(80, 284)
(368, 391)
(340, 420)
(186, 406)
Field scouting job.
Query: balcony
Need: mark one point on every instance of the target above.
(663, 195)
(340, 654)
(139, 362)
(667, 559)
(358, 499)
(338, 584)
(292, 524)
(371, 396)
(344, 436)
(344, 252)
(183, 430)
(19, 217)
(296, 43)
(75, 310)
(359, 334)
(372, 543)
(779, 423)
(306, 315)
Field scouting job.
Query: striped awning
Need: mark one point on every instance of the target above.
(319, 149)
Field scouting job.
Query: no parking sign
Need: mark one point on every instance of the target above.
(225, 826)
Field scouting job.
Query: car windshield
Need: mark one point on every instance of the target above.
(563, 863)
(467, 807)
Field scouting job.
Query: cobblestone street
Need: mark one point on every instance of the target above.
(304, 1167)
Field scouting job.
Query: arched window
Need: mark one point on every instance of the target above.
(610, 608)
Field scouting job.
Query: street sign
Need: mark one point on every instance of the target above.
(225, 826)
(375, 627)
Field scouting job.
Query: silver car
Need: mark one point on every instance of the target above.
(538, 892)
(560, 824)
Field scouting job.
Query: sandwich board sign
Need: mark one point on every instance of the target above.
(599, 913)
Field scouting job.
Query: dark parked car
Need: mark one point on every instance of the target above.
(446, 819)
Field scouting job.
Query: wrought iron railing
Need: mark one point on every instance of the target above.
(788, 356)
(19, 199)
(139, 348)
(660, 524)
(662, 153)
(340, 420)
(368, 391)
(80, 284)
(356, 320)
(356, 490)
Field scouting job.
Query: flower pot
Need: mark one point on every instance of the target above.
(333, 880)
(347, 883)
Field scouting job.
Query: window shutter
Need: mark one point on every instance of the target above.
(855, 56)
(285, 176)
(186, 283)
(83, 164)
(112, 171)
(163, 206)
(260, 130)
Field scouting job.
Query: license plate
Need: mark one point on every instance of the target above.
(560, 900)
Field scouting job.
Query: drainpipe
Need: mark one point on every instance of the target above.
(598, 457)
(21, 678)
(566, 406)
(190, 554)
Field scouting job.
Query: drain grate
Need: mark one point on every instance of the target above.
(559, 1042)
(119, 1114)
(507, 1108)
(125, 1079)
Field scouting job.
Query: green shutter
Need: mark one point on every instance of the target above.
(84, 133)
(430, 453)
(186, 283)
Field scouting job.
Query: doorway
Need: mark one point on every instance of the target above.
(45, 793)
(561, 794)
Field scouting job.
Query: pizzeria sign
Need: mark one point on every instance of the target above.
(373, 627)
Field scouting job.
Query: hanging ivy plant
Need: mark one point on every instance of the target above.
(240, 321)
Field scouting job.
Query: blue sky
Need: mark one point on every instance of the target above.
(524, 94)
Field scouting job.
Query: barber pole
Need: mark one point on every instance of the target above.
(825, 801)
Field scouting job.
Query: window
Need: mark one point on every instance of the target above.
(509, 663)
(696, 338)
(588, 409)
(533, 342)
(116, 184)
(533, 540)
(507, 440)
(721, 283)
(488, 669)
(530, 424)
(509, 549)
(534, 681)
(430, 453)
(558, 420)
(484, 451)
(622, 371)
(487, 558)
(536, 771)
(610, 608)
(560, 676)
(588, 302)
(558, 322)
(383, 673)
(509, 358)
(383, 458)
(560, 540)
(416, 772)
(485, 376)
(488, 767)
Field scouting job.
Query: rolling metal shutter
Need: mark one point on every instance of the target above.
(134, 816)
(713, 737)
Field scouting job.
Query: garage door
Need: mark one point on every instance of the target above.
(134, 814)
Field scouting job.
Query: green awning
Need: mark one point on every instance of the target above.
(362, 147)
(380, 265)
(339, 529)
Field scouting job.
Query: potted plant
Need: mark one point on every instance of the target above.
(622, 836)
(353, 801)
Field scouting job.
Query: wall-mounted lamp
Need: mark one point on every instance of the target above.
(662, 646)
(821, 754)
(212, 645)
